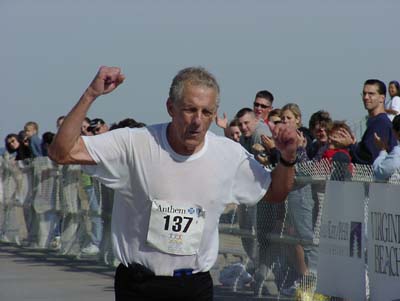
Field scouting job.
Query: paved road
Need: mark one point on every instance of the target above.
(41, 275)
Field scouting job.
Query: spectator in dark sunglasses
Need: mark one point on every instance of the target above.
(263, 104)
(97, 126)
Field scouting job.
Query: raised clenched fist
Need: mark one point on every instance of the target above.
(106, 80)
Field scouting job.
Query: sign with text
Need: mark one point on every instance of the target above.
(341, 265)
(384, 242)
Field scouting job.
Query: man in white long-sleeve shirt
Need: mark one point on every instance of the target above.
(387, 163)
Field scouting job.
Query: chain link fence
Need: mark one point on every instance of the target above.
(266, 251)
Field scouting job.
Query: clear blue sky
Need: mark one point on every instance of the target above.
(316, 54)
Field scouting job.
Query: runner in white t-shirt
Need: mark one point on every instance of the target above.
(172, 181)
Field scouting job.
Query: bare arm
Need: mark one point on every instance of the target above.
(282, 177)
(68, 146)
(391, 111)
(223, 123)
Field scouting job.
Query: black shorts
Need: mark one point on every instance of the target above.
(136, 282)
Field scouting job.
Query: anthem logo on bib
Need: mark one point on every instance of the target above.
(171, 209)
(175, 230)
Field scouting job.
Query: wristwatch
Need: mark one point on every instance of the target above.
(287, 163)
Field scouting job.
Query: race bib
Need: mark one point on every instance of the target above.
(175, 229)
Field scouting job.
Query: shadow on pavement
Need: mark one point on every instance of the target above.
(44, 257)
(91, 264)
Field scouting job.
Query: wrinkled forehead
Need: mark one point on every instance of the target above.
(191, 84)
(192, 90)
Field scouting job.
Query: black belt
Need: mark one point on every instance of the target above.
(139, 272)
(183, 272)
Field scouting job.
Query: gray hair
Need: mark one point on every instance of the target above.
(197, 76)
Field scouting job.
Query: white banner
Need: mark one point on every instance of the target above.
(384, 242)
(341, 264)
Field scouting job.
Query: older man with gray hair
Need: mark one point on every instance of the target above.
(172, 181)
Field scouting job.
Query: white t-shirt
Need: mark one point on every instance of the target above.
(140, 165)
(394, 104)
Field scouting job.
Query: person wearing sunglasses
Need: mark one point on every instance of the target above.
(263, 104)
(97, 126)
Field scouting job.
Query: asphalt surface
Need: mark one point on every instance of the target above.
(31, 274)
(27, 274)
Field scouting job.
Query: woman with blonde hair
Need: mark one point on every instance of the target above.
(300, 209)
(291, 114)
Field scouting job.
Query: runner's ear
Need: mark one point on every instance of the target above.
(170, 107)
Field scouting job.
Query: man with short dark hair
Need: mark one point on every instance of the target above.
(250, 219)
(167, 180)
(251, 128)
(365, 151)
(263, 104)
